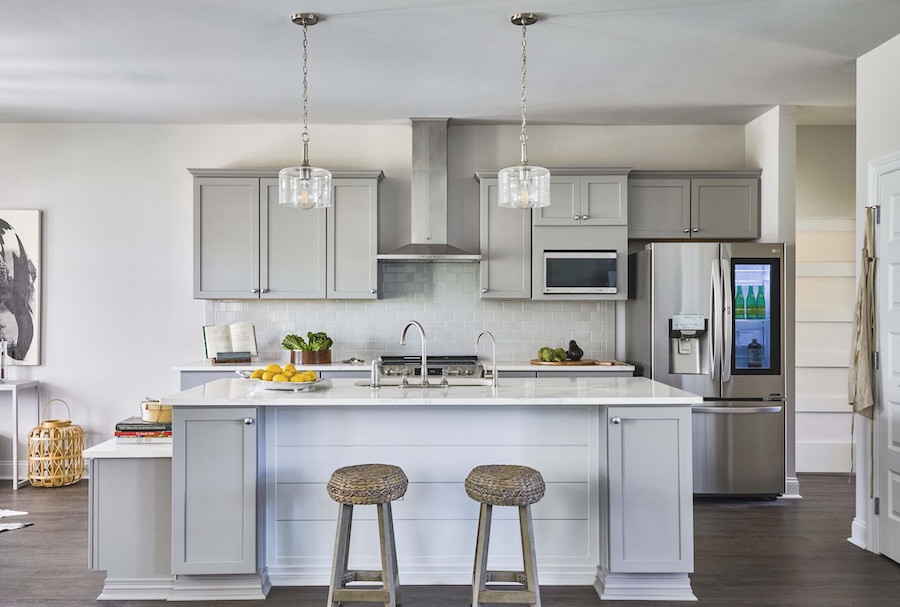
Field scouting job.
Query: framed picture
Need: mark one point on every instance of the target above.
(20, 285)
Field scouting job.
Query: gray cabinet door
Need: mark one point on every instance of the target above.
(352, 268)
(505, 247)
(604, 200)
(659, 208)
(651, 521)
(565, 202)
(214, 480)
(292, 243)
(725, 209)
(226, 238)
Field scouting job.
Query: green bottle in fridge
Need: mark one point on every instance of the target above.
(751, 303)
(760, 304)
(740, 309)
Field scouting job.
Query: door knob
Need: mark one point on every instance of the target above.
(616, 420)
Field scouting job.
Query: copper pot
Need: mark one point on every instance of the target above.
(311, 357)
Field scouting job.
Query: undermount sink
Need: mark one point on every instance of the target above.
(452, 382)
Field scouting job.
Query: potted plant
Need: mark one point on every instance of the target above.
(314, 350)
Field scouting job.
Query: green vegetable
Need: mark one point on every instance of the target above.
(559, 355)
(317, 342)
(546, 355)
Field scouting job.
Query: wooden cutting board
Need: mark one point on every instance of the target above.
(583, 361)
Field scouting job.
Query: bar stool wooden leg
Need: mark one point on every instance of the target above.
(341, 551)
(482, 542)
(526, 527)
(388, 554)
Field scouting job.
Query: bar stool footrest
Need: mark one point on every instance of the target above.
(365, 595)
(361, 576)
(513, 597)
(515, 577)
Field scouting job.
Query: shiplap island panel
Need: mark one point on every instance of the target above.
(585, 435)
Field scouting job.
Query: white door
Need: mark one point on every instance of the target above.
(887, 312)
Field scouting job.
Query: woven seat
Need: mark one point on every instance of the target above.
(366, 485)
(504, 485)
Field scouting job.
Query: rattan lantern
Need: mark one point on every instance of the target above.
(54, 451)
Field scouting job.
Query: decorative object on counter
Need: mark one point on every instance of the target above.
(523, 186)
(316, 351)
(505, 485)
(303, 186)
(552, 355)
(354, 361)
(20, 285)
(54, 451)
(575, 353)
(361, 485)
(230, 343)
(276, 374)
(152, 411)
(582, 362)
(139, 430)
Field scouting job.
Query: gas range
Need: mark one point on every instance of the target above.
(450, 365)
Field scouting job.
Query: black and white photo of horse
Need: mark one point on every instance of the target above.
(19, 286)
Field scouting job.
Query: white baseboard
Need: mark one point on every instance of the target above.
(858, 534)
(642, 586)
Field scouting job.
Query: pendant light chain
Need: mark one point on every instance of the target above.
(524, 137)
(305, 89)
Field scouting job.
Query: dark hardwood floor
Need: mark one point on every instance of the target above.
(773, 553)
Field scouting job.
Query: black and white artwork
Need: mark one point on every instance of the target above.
(20, 284)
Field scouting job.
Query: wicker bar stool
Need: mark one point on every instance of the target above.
(366, 484)
(504, 485)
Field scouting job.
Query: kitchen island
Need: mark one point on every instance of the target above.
(249, 468)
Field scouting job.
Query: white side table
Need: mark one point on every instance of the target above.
(13, 387)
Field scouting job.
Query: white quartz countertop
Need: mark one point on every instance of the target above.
(343, 392)
(206, 365)
(112, 450)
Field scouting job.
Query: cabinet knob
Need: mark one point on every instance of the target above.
(265, 290)
(616, 420)
(577, 217)
(484, 290)
(254, 290)
(372, 291)
(584, 217)
(696, 230)
(686, 230)
(248, 421)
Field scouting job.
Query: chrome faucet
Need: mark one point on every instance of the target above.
(493, 355)
(376, 362)
(415, 324)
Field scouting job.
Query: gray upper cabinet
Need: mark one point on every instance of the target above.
(678, 205)
(247, 246)
(578, 199)
(505, 245)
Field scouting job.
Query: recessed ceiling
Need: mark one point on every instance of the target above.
(383, 61)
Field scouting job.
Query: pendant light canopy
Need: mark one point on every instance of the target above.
(304, 186)
(523, 186)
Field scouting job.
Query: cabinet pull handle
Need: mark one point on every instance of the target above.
(248, 421)
(616, 420)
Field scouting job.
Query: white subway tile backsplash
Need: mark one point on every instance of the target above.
(445, 298)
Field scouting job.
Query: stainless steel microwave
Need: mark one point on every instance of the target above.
(574, 272)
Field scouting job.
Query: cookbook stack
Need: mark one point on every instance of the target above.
(136, 431)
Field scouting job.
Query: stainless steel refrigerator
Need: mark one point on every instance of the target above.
(695, 320)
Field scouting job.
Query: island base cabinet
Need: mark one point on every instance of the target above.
(650, 489)
(215, 498)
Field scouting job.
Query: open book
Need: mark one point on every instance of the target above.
(239, 337)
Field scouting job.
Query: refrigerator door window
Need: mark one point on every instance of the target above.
(755, 312)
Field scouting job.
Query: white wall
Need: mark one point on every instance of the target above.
(826, 225)
(877, 135)
(116, 202)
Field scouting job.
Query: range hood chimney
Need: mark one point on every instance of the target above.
(429, 199)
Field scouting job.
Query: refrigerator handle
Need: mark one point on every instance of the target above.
(713, 319)
(727, 329)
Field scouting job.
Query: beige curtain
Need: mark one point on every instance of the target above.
(863, 345)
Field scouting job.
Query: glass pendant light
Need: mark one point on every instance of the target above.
(304, 186)
(523, 186)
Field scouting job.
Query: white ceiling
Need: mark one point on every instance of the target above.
(383, 61)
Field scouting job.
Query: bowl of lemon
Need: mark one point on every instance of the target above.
(276, 377)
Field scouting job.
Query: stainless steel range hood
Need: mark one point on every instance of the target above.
(429, 199)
